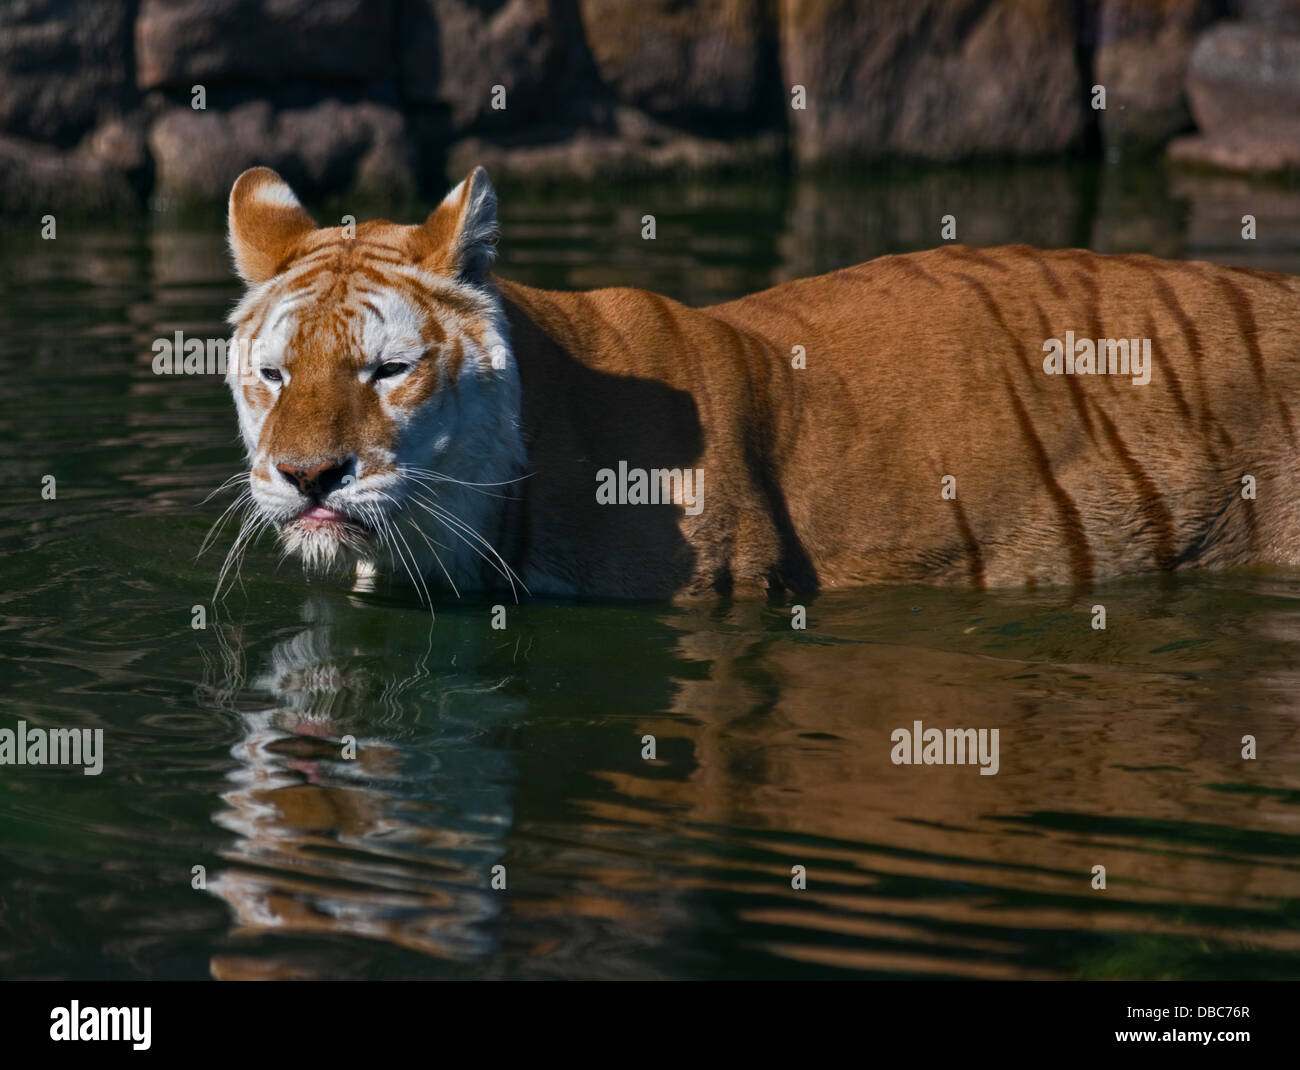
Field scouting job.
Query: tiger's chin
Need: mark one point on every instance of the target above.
(327, 541)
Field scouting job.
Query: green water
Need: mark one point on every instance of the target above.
(523, 748)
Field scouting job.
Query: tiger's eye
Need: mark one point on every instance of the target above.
(390, 368)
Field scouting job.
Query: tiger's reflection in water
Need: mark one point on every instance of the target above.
(395, 846)
(774, 749)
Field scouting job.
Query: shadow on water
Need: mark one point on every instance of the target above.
(524, 748)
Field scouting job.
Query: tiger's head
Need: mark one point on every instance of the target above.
(375, 384)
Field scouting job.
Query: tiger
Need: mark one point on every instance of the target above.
(916, 419)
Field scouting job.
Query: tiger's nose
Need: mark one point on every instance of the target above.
(316, 480)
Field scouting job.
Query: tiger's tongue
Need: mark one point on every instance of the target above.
(321, 512)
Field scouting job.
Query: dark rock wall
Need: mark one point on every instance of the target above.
(98, 98)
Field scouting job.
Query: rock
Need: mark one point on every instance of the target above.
(327, 148)
(39, 178)
(1141, 60)
(1259, 149)
(711, 60)
(180, 43)
(1243, 85)
(636, 146)
(453, 52)
(1243, 76)
(64, 66)
(119, 144)
(1280, 14)
(938, 79)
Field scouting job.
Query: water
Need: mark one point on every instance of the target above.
(523, 748)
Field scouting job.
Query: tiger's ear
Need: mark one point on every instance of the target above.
(266, 222)
(457, 238)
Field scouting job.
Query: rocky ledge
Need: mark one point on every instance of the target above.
(112, 102)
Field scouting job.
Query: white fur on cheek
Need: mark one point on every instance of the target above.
(268, 349)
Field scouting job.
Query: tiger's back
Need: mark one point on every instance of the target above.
(922, 439)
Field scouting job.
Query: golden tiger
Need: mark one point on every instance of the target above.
(958, 416)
